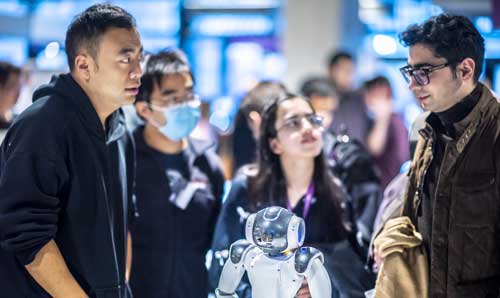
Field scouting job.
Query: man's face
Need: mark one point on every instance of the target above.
(325, 106)
(342, 74)
(174, 89)
(116, 74)
(442, 92)
(9, 93)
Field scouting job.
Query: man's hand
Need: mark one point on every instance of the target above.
(303, 292)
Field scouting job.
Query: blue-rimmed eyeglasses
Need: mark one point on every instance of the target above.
(420, 74)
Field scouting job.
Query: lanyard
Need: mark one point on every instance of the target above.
(307, 201)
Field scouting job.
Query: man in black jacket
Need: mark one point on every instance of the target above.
(179, 185)
(67, 169)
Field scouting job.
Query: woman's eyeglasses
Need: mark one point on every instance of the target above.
(295, 123)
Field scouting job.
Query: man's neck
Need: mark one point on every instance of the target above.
(156, 140)
(101, 106)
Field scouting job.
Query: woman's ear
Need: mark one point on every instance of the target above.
(275, 146)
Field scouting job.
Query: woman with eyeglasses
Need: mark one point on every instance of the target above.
(291, 172)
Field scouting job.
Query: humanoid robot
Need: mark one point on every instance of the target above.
(273, 258)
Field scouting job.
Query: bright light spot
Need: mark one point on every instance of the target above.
(52, 49)
(484, 24)
(384, 44)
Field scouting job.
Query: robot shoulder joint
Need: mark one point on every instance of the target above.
(238, 250)
(304, 257)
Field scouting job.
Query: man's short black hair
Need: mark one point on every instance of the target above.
(337, 56)
(6, 70)
(377, 81)
(322, 87)
(166, 62)
(86, 29)
(451, 37)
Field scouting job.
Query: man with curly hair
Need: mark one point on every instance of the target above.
(452, 196)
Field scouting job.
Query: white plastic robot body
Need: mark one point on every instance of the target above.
(273, 275)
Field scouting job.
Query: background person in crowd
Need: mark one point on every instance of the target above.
(179, 184)
(323, 96)
(348, 159)
(291, 172)
(10, 88)
(67, 169)
(388, 139)
(351, 114)
(248, 120)
(452, 195)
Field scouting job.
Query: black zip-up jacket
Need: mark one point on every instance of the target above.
(169, 243)
(64, 177)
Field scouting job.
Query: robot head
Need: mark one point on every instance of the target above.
(275, 230)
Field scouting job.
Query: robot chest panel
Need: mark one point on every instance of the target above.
(272, 278)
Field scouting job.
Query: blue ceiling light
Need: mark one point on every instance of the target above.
(384, 44)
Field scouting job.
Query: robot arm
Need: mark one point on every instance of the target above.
(309, 263)
(233, 269)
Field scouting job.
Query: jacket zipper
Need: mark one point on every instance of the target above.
(111, 226)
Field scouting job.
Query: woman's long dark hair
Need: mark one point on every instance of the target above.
(268, 186)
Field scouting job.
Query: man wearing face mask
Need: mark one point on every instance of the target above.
(178, 186)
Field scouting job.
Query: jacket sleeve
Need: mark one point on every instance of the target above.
(29, 202)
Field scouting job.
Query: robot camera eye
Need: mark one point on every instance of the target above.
(267, 237)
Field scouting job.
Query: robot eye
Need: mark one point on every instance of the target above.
(267, 237)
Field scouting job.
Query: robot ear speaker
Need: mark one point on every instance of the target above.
(301, 231)
(296, 232)
(249, 226)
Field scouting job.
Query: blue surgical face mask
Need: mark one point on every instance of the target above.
(181, 119)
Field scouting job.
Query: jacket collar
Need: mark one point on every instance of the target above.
(466, 127)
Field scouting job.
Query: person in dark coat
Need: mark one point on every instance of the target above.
(452, 195)
(388, 137)
(179, 185)
(67, 169)
(291, 172)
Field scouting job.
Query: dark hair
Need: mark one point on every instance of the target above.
(261, 95)
(86, 29)
(168, 61)
(337, 56)
(6, 70)
(268, 187)
(377, 81)
(451, 37)
(318, 87)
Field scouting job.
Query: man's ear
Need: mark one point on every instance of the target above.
(275, 146)
(83, 66)
(142, 108)
(467, 68)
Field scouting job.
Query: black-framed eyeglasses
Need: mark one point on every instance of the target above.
(295, 123)
(420, 74)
